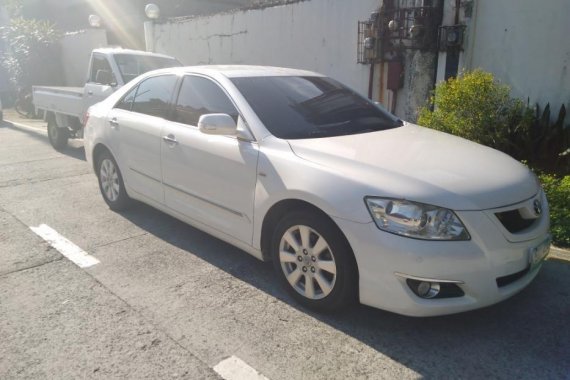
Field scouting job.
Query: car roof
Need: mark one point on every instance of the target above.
(119, 50)
(238, 71)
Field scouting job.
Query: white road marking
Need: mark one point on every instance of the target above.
(78, 256)
(233, 368)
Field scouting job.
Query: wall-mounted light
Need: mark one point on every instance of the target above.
(152, 11)
(393, 25)
(94, 21)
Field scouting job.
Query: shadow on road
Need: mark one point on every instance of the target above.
(526, 336)
(74, 152)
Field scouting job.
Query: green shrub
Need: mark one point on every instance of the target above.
(558, 193)
(476, 107)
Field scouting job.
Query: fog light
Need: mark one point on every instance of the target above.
(424, 289)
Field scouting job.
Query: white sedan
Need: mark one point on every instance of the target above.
(348, 201)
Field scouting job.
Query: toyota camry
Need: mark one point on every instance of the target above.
(348, 201)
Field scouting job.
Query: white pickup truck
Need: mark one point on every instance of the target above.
(64, 108)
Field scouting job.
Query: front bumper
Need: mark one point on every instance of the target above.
(477, 264)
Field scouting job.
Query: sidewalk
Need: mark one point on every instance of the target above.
(560, 254)
(10, 115)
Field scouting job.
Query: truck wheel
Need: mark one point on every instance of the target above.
(111, 182)
(57, 136)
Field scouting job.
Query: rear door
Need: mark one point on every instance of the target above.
(136, 123)
(208, 178)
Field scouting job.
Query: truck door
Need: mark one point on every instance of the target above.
(101, 82)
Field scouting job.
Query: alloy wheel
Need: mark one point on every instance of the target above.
(109, 178)
(307, 262)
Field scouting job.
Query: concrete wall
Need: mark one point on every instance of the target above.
(318, 35)
(526, 44)
(76, 50)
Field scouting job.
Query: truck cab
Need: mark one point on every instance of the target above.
(64, 108)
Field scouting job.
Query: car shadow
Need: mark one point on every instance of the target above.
(71, 151)
(526, 336)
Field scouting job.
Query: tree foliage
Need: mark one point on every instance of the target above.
(30, 42)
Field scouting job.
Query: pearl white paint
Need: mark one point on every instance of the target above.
(226, 186)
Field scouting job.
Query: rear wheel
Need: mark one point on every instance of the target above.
(314, 261)
(111, 182)
(57, 136)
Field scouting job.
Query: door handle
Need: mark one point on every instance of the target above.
(114, 123)
(89, 92)
(170, 139)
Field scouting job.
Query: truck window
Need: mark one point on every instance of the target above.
(99, 63)
(154, 95)
(133, 65)
(199, 96)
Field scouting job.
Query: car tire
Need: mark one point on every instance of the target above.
(319, 274)
(111, 182)
(57, 136)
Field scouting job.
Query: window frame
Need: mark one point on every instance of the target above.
(177, 91)
(95, 56)
(135, 88)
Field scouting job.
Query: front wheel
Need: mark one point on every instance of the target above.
(314, 261)
(111, 182)
(57, 136)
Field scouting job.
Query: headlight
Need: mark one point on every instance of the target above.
(416, 220)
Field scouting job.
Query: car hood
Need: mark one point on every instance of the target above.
(423, 165)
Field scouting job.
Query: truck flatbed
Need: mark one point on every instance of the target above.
(65, 100)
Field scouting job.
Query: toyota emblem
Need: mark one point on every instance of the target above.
(537, 207)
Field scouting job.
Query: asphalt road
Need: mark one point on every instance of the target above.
(169, 301)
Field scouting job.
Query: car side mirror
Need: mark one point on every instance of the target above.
(217, 124)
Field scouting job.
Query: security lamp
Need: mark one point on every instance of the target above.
(95, 21)
(152, 11)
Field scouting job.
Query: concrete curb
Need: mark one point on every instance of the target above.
(559, 254)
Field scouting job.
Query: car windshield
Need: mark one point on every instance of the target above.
(133, 65)
(299, 107)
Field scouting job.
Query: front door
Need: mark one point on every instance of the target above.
(208, 178)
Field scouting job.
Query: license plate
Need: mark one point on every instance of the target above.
(538, 253)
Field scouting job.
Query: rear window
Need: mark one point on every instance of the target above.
(294, 107)
(133, 65)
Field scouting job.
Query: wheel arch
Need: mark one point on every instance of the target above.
(97, 150)
(279, 210)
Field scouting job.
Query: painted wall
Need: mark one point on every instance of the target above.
(318, 35)
(526, 44)
(75, 53)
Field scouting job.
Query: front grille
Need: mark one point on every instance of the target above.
(513, 221)
(506, 280)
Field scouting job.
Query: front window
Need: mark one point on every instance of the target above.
(293, 107)
(133, 65)
(199, 96)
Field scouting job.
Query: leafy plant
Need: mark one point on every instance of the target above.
(558, 193)
(546, 145)
(30, 42)
(476, 107)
